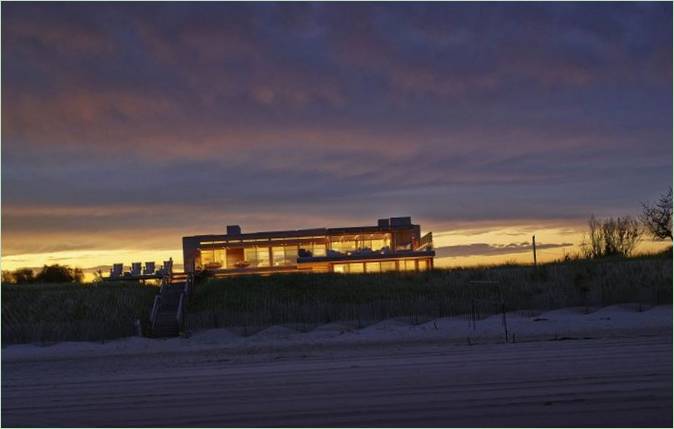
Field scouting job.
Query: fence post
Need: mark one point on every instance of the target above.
(503, 311)
(139, 331)
(505, 322)
(472, 312)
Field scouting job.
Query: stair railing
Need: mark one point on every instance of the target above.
(179, 313)
(189, 280)
(165, 280)
(155, 310)
(157, 301)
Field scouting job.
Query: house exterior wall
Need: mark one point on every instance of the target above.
(393, 244)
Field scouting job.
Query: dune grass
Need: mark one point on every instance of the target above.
(73, 312)
(97, 312)
(311, 299)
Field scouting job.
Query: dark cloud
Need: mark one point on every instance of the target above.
(485, 249)
(445, 111)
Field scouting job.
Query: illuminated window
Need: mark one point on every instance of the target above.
(316, 249)
(378, 244)
(356, 267)
(262, 256)
(423, 265)
(278, 256)
(213, 258)
(345, 246)
(291, 254)
(372, 243)
(340, 268)
(388, 266)
(206, 257)
(407, 265)
(319, 250)
(284, 255)
(257, 256)
(250, 256)
(221, 257)
(372, 267)
(365, 244)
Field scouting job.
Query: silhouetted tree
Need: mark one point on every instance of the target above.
(7, 277)
(593, 245)
(658, 218)
(78, 275)
(23, 276)
(611, 237)
(59, 274)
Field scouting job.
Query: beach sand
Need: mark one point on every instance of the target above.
(610, 367)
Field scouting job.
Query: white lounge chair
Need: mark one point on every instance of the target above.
(135, 268)
(168, 266)
(116, 271)
(149, 268)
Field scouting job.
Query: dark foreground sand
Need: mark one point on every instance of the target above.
(624, 379)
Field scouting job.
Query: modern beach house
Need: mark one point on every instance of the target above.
(393, 244)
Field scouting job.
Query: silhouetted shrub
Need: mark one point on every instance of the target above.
(611, 237)
(20, 276)
(59, 274)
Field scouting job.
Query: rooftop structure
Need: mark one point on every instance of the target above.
(393, 244)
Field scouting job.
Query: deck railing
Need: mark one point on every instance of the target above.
(425, 242)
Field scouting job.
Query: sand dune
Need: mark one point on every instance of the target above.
(388, 374)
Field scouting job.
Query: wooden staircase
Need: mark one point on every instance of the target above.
(168, 310)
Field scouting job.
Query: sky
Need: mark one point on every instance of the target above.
(126, 126)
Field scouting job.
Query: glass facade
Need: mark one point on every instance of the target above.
(319, 249)
(343, 246)
(278, 256)
(374, 245)
(250, 256)
(348, 250)
(213, 258)
(356, 267)
(388, 266)
(372, 267)
(314, 249)
(284, 255)
(257, 256)
(381, 266)
(393, 243)
(262, 256)
(369, 243)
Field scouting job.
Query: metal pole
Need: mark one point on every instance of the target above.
(533, 245)
(505, 322)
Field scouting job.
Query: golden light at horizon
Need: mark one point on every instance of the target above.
(496, 237)
(90, 259)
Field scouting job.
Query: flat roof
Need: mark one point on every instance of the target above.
(296, 233)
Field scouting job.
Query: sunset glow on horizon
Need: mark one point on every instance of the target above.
(127, 127)
(454, 248)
